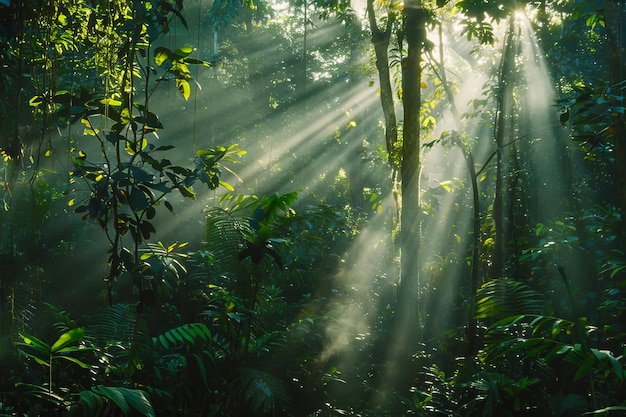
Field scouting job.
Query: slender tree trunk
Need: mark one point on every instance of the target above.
(380, 40)
(505, 93)
(471, 332)
(356, 164)
(615, 21)
(406, 326)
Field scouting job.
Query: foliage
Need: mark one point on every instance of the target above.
(239, 325)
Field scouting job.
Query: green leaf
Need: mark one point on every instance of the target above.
(37, 359)
(186, 192)
(138, 200)
(615, 364)
(163, 341)
(73, 360)
(184, 51)
(185, 335)
(606, 410)
(111, 102)
(202, 369)
(584, 368)
(161, 54)
(170, 337)
(68, 337)
(92, 402)
(138, 400)
(184, 88)
(113, 394)
(35, 101)
(70, 349)
(539, 229)
(227, 186)
(33, 342)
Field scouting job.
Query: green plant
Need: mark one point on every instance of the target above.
(102, 401)
(67, 347)
(527, 350)
(44, 354)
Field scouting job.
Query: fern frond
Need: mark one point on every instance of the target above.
(224, 239)
(504, 297)
(113, 323)
(261, 390)
(182, 335)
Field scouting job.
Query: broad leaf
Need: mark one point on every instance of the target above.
(67, 338)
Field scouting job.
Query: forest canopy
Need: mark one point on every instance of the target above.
(312, 208)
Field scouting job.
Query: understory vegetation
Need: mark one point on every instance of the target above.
(245, 208)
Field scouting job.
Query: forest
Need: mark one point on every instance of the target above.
(308, 208)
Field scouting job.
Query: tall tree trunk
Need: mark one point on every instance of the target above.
(406, 326)
(404, 332)
(505, 100)
(615, 21)
(411, 161)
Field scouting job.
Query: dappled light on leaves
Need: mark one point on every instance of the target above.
(311, 208)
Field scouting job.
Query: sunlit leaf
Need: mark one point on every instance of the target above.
(161, 54)
(184, 88)
(184, 51)
(34, 342)
(68, 337)
(605, 411)
(134, 147)
(227, 186)
(35, 101)
(111, 102)
(125, 116)
(74, 360)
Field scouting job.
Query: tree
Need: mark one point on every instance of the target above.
(405, 328)
(615, 18)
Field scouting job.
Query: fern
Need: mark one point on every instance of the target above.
(261, 390)
(182, 335)
(224, 239)
(113, 323)
(503, 297)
